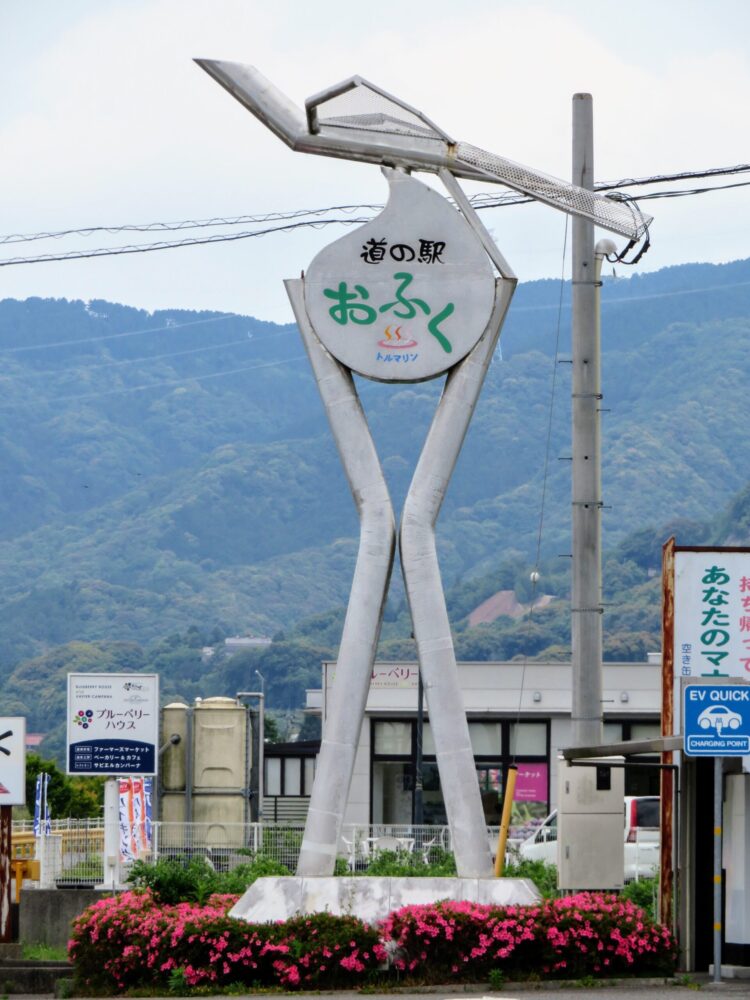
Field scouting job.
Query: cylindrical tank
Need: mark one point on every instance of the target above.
(173, 766)
(212, 757)
(220, 748)
(173, 763)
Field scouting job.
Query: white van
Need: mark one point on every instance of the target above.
(640, 830)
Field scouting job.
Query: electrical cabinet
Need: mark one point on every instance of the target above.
(591, 825)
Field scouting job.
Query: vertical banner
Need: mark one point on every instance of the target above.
(38, 805)
(135, 817)
(46, 816)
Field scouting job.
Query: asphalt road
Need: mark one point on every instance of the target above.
(650, 989)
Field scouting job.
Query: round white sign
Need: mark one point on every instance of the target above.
(406, 296)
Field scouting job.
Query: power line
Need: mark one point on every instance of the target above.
(179, 381)
(171, 244)
(688, 193)
(116, 336)
(81, 369)
(625, 299)
(148, 227)
(477, 200)
(482, 201)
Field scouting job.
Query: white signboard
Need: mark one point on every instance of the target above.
(405, 297)
(12, 761)
(712, 614)
(113, 723)
(711, 617)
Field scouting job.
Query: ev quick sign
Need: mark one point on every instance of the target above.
(716, 720)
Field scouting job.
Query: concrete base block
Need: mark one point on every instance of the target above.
(46, 915)
(731, 971)
(369, 898)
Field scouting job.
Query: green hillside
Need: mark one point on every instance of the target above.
(36, 687)
(170, 470)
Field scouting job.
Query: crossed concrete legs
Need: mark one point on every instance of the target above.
(437, 661)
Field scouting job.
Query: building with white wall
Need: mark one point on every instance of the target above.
(518, 712)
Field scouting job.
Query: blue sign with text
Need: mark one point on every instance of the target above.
(716, 720)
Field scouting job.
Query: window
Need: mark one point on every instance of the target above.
(528, 739)
(612, 732)
(309, 775)
(491, 792)
(486, 738)
(495, 743)
(391, 792)
(289, 775)
(292, 776)
(393, 738)
(273, 776)
(645, 730)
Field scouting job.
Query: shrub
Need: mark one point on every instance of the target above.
(643, 893)
(131, 942)
(584, 934)
(128, 942)
(182, 879)
(404, 864)
(541, 873)
(175, 880)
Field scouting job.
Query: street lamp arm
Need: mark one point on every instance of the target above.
(256, 93)
(391, 138)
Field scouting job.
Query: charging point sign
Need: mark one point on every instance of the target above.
(716, 720)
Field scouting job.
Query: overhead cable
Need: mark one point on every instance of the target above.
(311, 218)
(171, 244)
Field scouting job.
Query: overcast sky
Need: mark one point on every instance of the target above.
(105, 120)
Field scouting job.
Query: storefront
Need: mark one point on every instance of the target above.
(496, 743)
(518, 714)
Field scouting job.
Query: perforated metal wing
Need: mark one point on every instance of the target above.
(360, 106)
(357, 120)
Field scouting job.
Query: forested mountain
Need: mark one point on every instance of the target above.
(36, 688)
(169, 470)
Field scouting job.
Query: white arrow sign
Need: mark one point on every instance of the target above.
(12, 761)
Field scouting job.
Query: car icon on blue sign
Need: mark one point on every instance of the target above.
(719, 717)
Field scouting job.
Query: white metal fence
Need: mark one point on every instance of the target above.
(80, 852)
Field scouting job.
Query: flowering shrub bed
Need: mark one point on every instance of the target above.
(130, 941)
(586, 934)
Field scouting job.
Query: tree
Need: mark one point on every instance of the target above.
(310, 728)
(79, 797)
(271, 732)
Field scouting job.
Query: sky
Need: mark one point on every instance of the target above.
(106, 120)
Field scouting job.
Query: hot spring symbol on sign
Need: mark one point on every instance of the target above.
(406, 296)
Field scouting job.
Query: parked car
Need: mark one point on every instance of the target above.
(640, 832)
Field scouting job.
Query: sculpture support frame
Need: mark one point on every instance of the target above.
(437, 662)
(364, 615)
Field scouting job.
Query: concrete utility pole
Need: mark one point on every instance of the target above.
(586, 594)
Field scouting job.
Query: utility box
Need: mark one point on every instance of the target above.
(591, 825)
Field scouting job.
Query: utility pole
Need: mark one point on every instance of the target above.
(586, 593)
